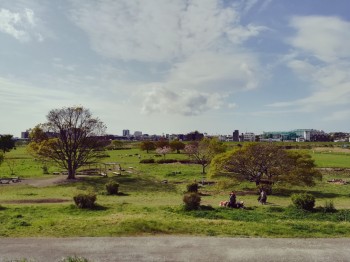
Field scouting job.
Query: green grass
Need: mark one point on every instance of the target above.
(147, 206)
(340, 160)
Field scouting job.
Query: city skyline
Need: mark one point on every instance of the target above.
(177, 66)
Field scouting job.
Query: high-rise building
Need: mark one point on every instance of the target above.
(126, 132)
(235, 136)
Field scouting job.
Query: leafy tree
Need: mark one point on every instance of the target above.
(147, 145)
(162, 143)
(268, 163)
(204, 151)
(71, 137)
(1, 158)
(117, 144)
(7, 143)
(177, 145)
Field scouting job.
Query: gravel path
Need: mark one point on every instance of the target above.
(174, 248)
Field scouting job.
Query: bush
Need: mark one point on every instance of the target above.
(167, 161)
(192, 201)
(74, 259)
(147, 161)
(112, 188)
(304, 201)
(329, 207)
(85, 200)
(192, 188)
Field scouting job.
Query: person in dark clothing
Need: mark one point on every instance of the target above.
(262, 197)
(232, 200)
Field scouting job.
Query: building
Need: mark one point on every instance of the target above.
(25, 135)
(137, 134)
(194, 136)
(248, 137)
(235, 136)
(298, 135)
(126, 132)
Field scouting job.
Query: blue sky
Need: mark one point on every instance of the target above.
(175, 66)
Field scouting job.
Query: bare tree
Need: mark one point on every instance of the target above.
(71, 137)
(204, 151)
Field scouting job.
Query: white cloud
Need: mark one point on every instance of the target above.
(343, 115)
(156, 31)
(184, 102)
(326, 38)
(202, 83)
(322, 59)
(199, 41)
(20, 25)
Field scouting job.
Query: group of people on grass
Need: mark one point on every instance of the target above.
(232, 202)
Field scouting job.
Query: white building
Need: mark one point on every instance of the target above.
(137, 133)
(249, 137)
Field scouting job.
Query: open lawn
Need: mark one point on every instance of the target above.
(150, 202)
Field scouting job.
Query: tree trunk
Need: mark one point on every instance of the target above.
(71, 171)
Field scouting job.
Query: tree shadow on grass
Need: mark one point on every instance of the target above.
(127, 183)
(96, 207)
(285, 192)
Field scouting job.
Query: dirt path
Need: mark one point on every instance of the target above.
(43, 182)
(175, 248)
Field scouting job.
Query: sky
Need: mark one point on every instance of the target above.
(176, 66)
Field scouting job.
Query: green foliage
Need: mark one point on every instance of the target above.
(268, 163)
(193, 187)
(162, 143)
(147, 161)
(112, 188)
(74, 259)
(45, 170)
(1, 158)
(177, 145)
(329, 207)
(304, 201)
(85, 200)
(147, 145)
(6, 143)
(192, 201)
(166, 161)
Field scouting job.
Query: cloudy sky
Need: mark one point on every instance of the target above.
(175, 66)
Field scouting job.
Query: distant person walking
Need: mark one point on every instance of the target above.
(262, 197)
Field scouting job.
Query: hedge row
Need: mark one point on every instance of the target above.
(167, 161)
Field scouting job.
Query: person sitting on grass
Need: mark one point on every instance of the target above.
(232, 200)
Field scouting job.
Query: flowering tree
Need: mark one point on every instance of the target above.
(163, 150)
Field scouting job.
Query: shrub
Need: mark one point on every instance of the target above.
(74, 259)
(304, 201)
(192, 188)
(329, 207)
(147, 161)
(112, 188)
(45, 170)
(192, 201)
(85, 200)
(166, 161)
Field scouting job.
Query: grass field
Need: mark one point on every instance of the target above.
(147, 205)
